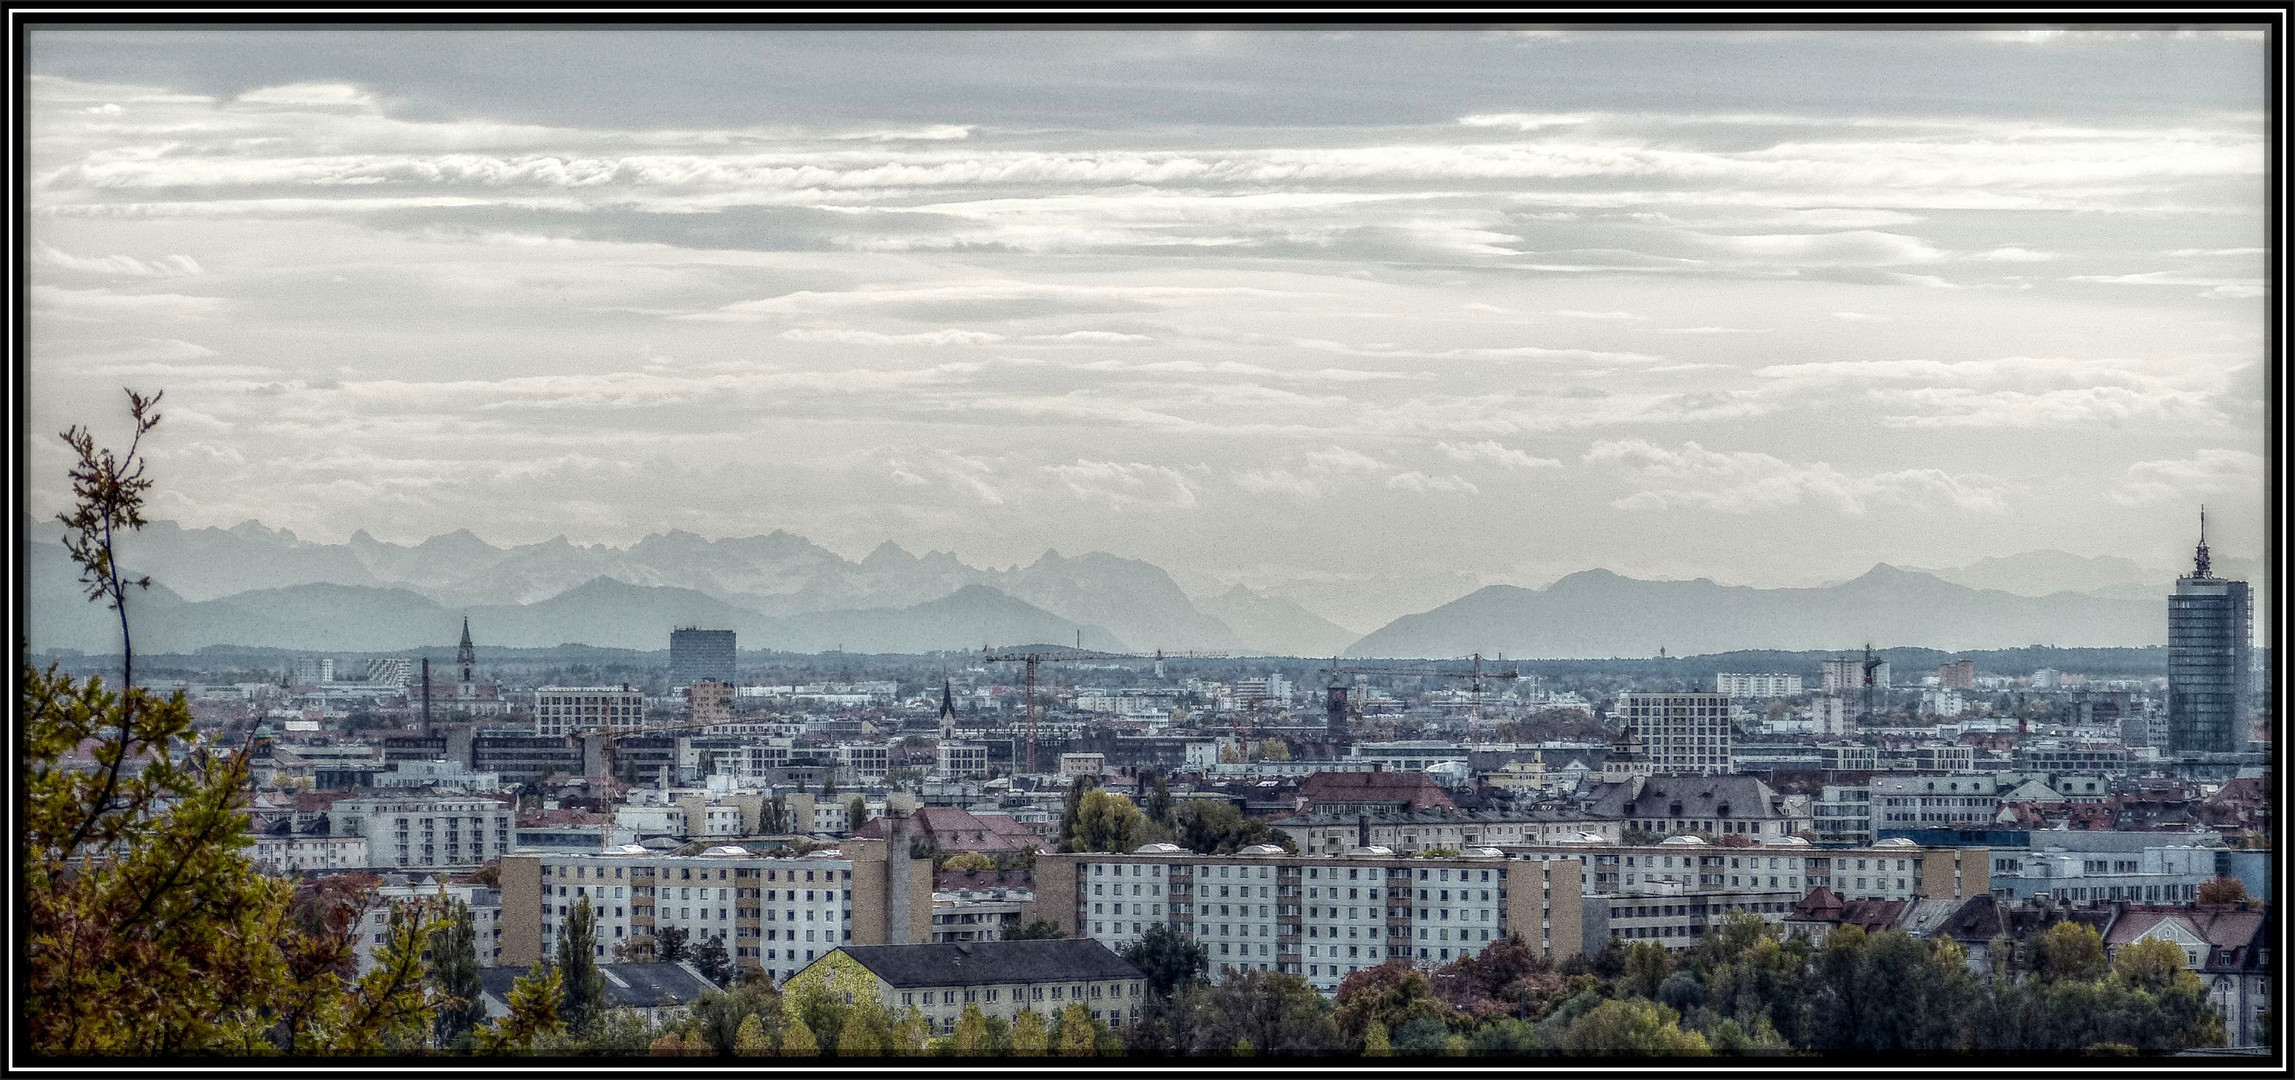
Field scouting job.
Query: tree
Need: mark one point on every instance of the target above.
(1630, 1026)
(1390, 995)
(912, 1034)
(2223, 890)
(617, 1031)
(533, 1013)
(867, 1030)
(797, 1040)
(585, 985)
(1504, 1037)
(750, 1039)
(1279, 1013)
(669, 944)
(856, 813)
(1170, 960)
(1069, 811)
(711, 961)
(971, 1036)
(1077, 1038)
(454, 973)
(1028, 1036)
(147, 930)
(1274, 750)
(970, 862)
(2070, 950)
(1375, 1042)
(1158, 807)
(719, 1016)
(1106, 821)
(1215, 827)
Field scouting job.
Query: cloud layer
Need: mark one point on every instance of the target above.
(1518, 306)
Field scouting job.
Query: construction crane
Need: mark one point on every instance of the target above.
(1037, 655)
(1337, 703)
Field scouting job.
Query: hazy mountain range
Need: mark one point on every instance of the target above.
(255, 586)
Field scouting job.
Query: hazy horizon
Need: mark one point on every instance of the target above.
(1312, 307)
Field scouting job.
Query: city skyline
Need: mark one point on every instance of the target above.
(1258, 307)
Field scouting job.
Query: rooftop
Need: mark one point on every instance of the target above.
(981, 963)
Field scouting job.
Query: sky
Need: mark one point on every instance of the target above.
(1306, 306)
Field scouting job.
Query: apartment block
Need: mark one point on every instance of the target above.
(485, 917)
(1764, 685)
(427, 832)
(773, 914)
(1684, 733)
(1323, 917)
(563, 710)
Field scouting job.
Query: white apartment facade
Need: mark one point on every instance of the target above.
(563, 710)
(431, 831)
(485, 918)
(775, 914)
(1762, 685)
(1683, 733)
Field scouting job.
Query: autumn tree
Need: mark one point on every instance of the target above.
(2223, 890)
(1028, 1035)
(1631, 1026)
(969, 862)
(147, 931)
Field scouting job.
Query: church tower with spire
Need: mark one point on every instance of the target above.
(466, 659)
(947, 711)
(1627, 760)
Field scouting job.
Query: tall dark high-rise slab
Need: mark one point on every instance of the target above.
(2210, 621)
(695, 655)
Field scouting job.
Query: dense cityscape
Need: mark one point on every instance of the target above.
(1549, 845)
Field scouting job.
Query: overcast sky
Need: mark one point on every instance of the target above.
(1261, 307)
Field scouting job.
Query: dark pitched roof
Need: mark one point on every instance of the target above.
(1414, 790)
(983, 962)
(1699, 796)
(637, 986)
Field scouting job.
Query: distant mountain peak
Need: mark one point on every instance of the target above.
(887, 554)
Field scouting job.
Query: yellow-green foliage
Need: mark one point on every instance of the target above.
(1077, 1037)
(147, 930)
(750, 1041)
(837, 975)
(1029, 1038)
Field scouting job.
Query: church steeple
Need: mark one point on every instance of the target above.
(2199, 559)
(466, 657)
(947, 710)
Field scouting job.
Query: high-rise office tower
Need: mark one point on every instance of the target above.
(2209, 624)
(695, 655)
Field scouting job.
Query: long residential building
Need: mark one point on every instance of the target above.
(773, 914)
(1323, 917)
(427, 832)
(563, 710)
(1408, 833)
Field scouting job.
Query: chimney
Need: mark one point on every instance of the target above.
(897, 807)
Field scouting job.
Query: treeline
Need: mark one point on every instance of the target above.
(1095, 819)
(1744, 990)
